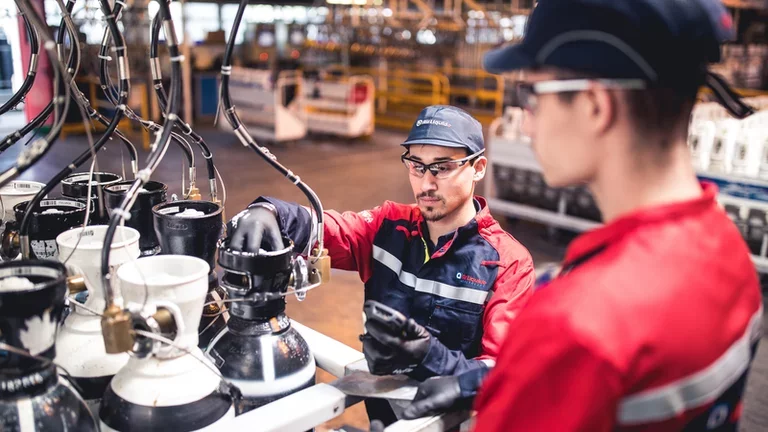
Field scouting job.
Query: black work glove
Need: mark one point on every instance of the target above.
(255, 227)
(389, 352)
(446, 393)
(435, 395)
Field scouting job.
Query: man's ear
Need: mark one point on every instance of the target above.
(481, 164)
(601, 109)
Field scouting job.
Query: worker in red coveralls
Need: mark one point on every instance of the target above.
(444, 262)
(654, 319)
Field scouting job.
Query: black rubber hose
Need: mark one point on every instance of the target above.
(160, 147)
(79, 161)
(39, 147)
(246, 138)
(80, 97)
(162, 99)
(41, 117)
(36, 122)
(34, 48)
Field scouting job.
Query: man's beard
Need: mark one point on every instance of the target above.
(431, 213)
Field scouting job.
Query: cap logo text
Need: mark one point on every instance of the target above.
(432, 122)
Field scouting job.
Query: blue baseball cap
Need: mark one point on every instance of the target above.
(662, 42)
(446, 126)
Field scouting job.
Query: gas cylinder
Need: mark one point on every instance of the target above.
(32, 395)
(76, 186)
(13, 193)
(51, 218)
(258, 350)
(193, 228)
(80, 343)
(150, 195)
(166, 387)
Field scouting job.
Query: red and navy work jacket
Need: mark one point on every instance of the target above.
(465, 290)
(651, 326)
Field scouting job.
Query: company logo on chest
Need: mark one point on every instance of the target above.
(471, 280)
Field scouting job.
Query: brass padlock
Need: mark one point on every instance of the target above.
(116, 329)
(320, 265)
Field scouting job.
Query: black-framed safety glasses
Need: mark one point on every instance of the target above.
(442, 169)
(528, 93)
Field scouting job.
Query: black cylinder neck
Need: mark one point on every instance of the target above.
(260, 279)
(257, 311)
(33, 382)
(253, 327)
(194, 236)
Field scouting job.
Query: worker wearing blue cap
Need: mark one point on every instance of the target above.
(654, 319)
(444, 263)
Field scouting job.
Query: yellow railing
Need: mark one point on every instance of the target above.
(400, 94)
(478, 92)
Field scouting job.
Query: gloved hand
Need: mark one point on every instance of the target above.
(435, 395)
(255, 227)
(446, 393)
(390, 352)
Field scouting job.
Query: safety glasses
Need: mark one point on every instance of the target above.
(528, 93)
(441, 170)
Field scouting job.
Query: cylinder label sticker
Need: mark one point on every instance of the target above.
(29, 271)
(77, 178)
(169, 210)
(44, 248)
(65, 203)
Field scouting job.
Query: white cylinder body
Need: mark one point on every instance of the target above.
(171, 382)
(79, 343)
(87, 256)
(179, 279)
(15, 192)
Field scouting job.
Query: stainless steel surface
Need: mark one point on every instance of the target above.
(364, 384)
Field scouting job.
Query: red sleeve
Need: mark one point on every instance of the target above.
(349, 238)
(512, 290)
(546, 380)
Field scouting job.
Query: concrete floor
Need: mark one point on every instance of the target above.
(347, 175)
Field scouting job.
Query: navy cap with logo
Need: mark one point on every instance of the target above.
(446, 126)
(661, 42)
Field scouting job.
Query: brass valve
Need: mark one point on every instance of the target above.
(76, 284)
(117, 330)
(11, 244)
(194, 193)
(319, 266)
(165, 321)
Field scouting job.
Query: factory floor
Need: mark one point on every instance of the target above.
(347, 175)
